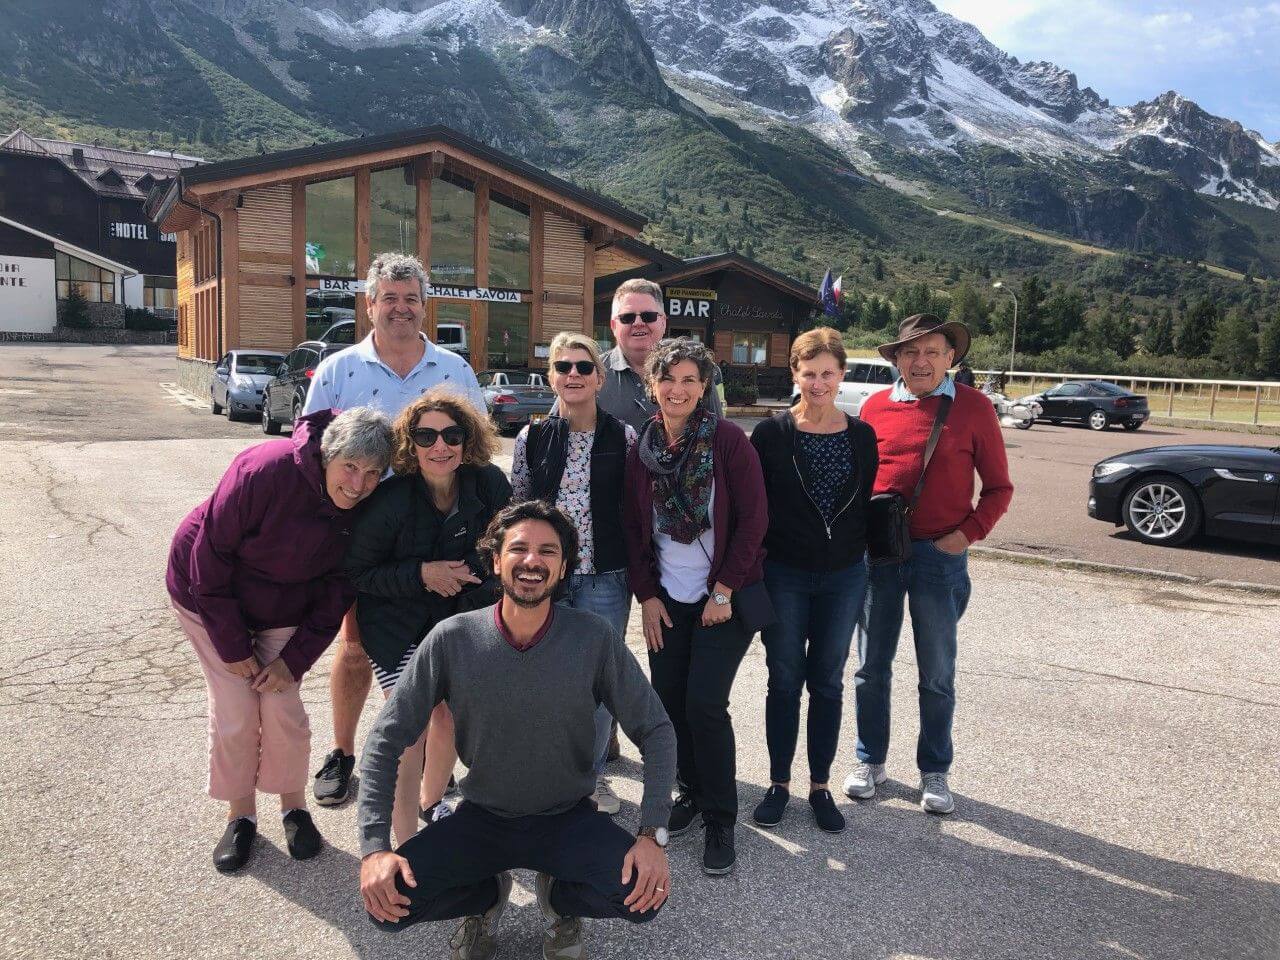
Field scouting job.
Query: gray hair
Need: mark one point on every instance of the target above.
(639, 285)
(360, 433)
(394, 267)
(675, 350)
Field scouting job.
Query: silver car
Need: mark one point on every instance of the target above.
(237, 382)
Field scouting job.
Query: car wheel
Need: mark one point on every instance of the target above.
(269, 424)
(1024, 424)
(214, 406)
(297, 413)
(1132, 425)
(1162, 510)
(1098, 420)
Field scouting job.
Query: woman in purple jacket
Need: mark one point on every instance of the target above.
(255, 577)
(694, 518)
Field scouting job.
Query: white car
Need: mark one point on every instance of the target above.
(862, 377)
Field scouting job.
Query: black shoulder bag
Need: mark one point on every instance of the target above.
(889, 514)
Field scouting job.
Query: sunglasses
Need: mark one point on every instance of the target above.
(584, 367)
(426, 437)
(648, 316)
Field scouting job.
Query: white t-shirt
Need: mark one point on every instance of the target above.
(683, 568)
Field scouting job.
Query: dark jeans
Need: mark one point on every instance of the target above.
(455, 861)
(936, 588)
(693, 674)
(808, 646)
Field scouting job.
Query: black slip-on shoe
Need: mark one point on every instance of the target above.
(300, 833)
(683, 812)
(233, 850)
(718, 853)
(770, 810)
(825, 813)
(332, 784)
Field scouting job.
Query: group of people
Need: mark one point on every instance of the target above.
(493, 612)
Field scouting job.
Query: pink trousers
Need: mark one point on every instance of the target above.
(257, 741)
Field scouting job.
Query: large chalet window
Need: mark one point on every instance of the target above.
(95, 284)
(393, 206)
(331, 228)
(508, 243)
(453, 232)
(508, 341)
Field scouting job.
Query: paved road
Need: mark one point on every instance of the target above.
(1117, 767)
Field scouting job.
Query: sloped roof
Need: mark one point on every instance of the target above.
(94, 164)
(665, 274)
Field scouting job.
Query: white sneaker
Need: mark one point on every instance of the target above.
(606, 800)
(935, 797)
(861, 784)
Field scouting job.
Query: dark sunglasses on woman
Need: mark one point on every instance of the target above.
(584, 367)
(426, 437)
(648, 316)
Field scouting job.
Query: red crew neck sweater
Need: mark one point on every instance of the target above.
(971, 441)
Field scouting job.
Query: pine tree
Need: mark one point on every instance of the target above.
(877, 268)
(1235, 343)
(1269, 348)
(1195, 333)
(1157, 341)
(688, 234)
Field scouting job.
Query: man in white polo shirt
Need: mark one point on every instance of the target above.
(388, 369)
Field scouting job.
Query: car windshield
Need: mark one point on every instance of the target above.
(1110, 389)
(248, 363)
(519, 379)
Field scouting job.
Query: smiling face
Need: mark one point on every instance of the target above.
(438, 460)
(397, 312)
(573, 388)
(348, 481)
(924, 362)
(530, 563)
(678, 390)
(818, 380)
(636, 340)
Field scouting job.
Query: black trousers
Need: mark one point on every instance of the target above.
(455, 861)
(693, 674)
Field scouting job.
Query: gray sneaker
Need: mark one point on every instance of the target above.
(562, 939)
(476, 938)
(606, 800)
(934, 795)
(861, 784)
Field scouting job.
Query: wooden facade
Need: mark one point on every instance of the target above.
(242, 245)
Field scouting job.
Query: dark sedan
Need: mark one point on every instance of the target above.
(1093, 402)
(1166, 495)
(286, 394)
(515, 397)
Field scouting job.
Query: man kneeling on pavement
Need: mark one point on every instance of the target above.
(523, 679)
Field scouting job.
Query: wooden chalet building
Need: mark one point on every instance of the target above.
(273, 249)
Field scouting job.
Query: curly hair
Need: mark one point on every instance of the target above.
(675, 350)
(479, 447)
(490, 544)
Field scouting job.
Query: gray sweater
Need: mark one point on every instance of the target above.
(523, 720)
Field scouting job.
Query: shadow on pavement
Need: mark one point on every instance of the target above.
(1214, 545)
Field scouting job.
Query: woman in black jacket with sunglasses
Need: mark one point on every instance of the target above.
(414, 562)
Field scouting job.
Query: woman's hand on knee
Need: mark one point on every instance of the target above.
(275, 677)
(247, 668)
(383, 900)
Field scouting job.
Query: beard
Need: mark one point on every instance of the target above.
(528, 594)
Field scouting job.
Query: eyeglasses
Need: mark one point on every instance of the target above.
(426, 437)
(584, 367)
(648, 316)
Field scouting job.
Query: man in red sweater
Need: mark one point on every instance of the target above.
(934, 580)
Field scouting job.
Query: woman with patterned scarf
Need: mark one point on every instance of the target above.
(695, 517)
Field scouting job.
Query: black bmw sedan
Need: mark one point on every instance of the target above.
(1166, 495)
(1095, 403)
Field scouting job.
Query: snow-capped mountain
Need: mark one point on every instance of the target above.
(905, 72)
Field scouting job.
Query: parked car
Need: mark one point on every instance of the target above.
(1167, 495)
(286, 393)
(1094, 402)
(515, 397)
(862, 378)
(238, 380)
(453, 337)
(344, 331)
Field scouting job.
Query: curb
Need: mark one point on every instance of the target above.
(1115, 569)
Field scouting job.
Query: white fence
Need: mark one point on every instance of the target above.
(1254, 402)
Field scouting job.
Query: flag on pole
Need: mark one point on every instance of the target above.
(827, 296)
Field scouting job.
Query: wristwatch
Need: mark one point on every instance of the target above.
(658, 835)
(720, 599)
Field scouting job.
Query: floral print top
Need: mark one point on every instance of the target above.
(574, 496)
(830, 465)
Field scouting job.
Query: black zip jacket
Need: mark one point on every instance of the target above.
(400, 529)
(798, 536)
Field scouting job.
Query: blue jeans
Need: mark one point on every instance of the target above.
(820, 609)
(608, 595)
(936, 587)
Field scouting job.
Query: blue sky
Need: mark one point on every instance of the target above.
(1223, 55)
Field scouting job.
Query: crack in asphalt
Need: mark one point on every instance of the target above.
(50, 478)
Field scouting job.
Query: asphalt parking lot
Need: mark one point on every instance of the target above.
(1116, 768)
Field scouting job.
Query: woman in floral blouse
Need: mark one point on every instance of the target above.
(576, 459)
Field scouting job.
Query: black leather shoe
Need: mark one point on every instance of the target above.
(301, 834)
(718, 853)
(683, 812)
(232, 851)
(825, 813)
(772, 807)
